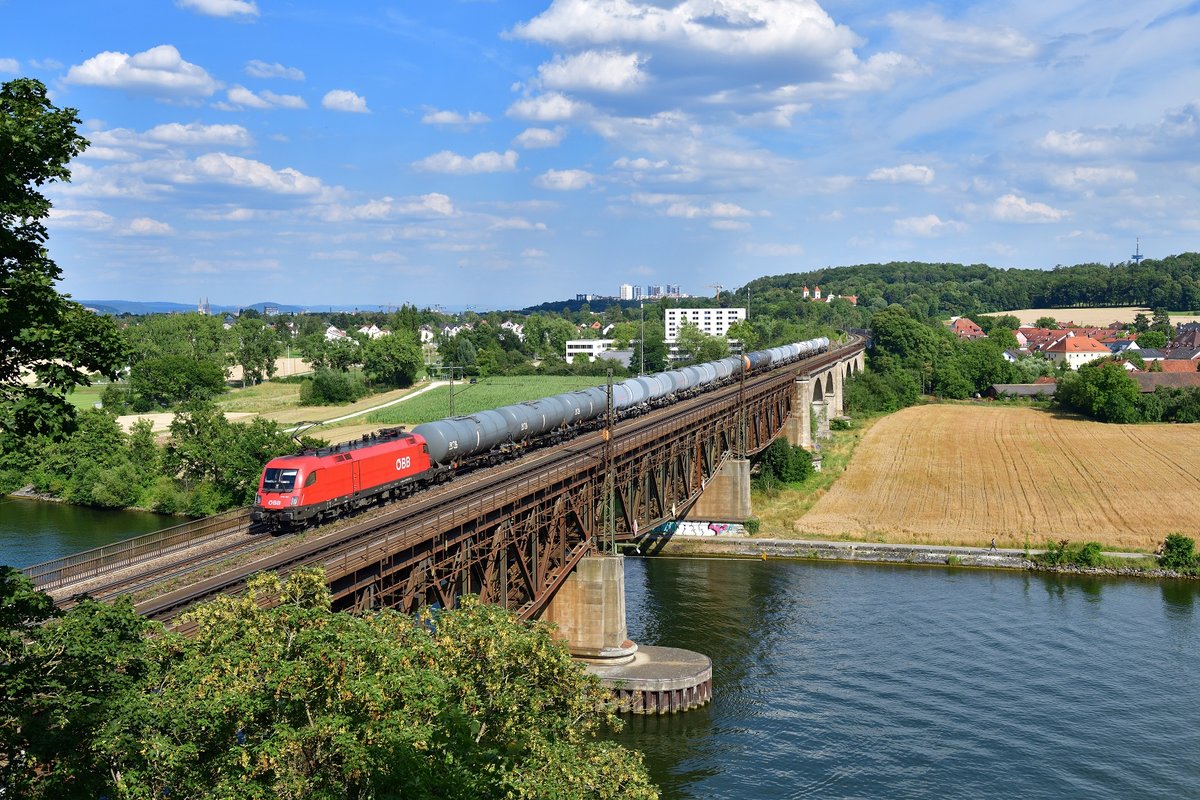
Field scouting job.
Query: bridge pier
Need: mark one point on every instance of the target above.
(820, 410)
(798, 426)
(589, 610)
(726, 496)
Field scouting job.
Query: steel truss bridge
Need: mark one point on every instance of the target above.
(511, 533)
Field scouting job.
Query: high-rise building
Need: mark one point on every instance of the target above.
(672, 290)
(713, 321)
(654, 291)
(637, 293)
(626, 291)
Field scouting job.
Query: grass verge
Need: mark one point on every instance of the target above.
(777, 509)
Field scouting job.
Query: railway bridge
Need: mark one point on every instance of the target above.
(513, 533)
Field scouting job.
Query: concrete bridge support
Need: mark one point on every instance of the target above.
(820, 410)
(589, 610)
(798, 427)
(726, 496)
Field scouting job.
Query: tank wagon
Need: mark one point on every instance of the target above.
(322, 484)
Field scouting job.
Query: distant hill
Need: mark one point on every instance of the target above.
(138, 307)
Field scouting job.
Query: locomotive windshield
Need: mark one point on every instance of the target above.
(279, 480)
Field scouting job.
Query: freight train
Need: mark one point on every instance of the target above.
(319, 485)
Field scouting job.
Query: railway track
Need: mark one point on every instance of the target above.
(401, 523)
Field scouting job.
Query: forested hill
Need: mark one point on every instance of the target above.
(931, 289)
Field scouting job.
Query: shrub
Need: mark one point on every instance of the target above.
(1178, 552)
(1063, 553)
(331, 387)
(751, 525)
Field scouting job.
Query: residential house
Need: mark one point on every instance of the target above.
(1118, 346)
(964, 328)
(425, 332)
(1149, 381)
(589, 348)
(373, 331)
(1075, 351)
(333, 334)
(516, 328)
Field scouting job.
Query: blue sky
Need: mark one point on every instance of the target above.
(498, 154)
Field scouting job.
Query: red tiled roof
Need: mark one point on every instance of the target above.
(1177, 365)
(1077, 344)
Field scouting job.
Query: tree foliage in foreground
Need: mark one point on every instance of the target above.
(294, 701)
(41, 331)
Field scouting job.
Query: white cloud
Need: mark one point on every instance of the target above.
(552, 107)
(454, 164)
(1076, 143)
(905, 173)
(1086, 178)
(221, 8)
(261, 69)
(564, 180)
(345, 100)
(534, 138)
(533, 252)
(239, 97)
(85, 220)
(159, 70)
(929, 226)
(597, 70)
(237, 171)
(516, 224)
(761, 59)
(689, 211)
(9, 65)
(433, 204)
(1011, 208)
(938, 38)
(640, 164)
(195, 133)
(144, 226)
(454, 118)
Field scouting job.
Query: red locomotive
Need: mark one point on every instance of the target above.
(321, 484)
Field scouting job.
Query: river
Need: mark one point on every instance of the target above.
(865, 681)
(33, 531)
(846, 681)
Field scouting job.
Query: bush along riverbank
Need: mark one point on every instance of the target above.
(1176, 559)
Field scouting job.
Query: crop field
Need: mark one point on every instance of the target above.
(958, 474)
(470, 398)
(1097, 317)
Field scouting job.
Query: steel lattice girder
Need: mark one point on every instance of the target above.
(516, 550)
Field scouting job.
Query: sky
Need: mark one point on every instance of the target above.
(467, 153)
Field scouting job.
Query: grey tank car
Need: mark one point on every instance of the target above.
(458, 439)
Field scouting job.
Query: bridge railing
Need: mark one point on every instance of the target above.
(77, 566)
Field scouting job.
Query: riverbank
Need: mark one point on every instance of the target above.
(886, 553)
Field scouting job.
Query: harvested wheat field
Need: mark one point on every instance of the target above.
(952, 474)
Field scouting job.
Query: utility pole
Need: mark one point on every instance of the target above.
(610, 488)
(642, 341)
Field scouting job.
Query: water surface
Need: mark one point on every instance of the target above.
(844, 681)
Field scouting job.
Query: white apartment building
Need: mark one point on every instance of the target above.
(626, 291)
(592, 348)
(713, 321)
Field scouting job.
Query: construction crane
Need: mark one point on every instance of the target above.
(718, 287)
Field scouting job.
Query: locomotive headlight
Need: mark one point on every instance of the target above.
(296, 500)
(258, 499)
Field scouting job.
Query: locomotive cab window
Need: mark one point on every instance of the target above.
(311, 479)
(279, 480)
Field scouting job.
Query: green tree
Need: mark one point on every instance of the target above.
(1046, 322)
(165, 380)
(255, 348)
(1178, 552)
(41, 331)
(1152, 339)
(284, 699)
(1101, 390)
(393, 360)
(1161, 322)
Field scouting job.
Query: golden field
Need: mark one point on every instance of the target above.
(961, 474)
(1096, 317)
